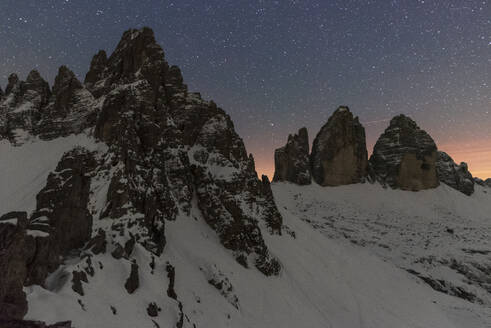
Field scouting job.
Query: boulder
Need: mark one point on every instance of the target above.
(291, 162)
(339, 155)
(405, 156)
(133, 281)
(455, 176)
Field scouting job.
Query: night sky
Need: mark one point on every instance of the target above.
(276, 66)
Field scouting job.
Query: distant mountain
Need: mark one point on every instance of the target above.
(128, 201)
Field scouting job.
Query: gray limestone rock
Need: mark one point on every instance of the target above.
(339, 153)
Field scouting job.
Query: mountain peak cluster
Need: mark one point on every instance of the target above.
(167, 152)
(166, 147)
(404, 157)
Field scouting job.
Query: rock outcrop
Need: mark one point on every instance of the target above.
(21, 108)
(30, 249)
(291, 162)
(14, 251)
(339, 155)
(405, 156)
(30, 108)
(456, 176)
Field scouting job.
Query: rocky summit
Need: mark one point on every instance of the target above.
(291, 162)
(405, 156)
(339, 152)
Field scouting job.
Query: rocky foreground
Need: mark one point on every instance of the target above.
(129, 201)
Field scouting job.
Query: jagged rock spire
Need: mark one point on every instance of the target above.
(66, 84)
(13, 83)
(339, 153)
(97, 66)
(137, 56)
(291, 161)
(35, 84)
(405, 156)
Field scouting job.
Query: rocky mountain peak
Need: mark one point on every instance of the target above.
(97, 66)
(137, 56)
(405, 156)
(34, 76)
(21, 107)
(35, 87)
(13, 83)
(339, 154)
(65, 79)
(292, 162)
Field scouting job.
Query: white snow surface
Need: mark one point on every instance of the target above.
(327, 279)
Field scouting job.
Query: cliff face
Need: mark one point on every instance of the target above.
(339, 153)
(291, 161)
(405, 156)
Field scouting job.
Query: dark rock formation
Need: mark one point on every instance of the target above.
(153, 309)
(21, 108)
(98, 243)
(96, 71)
(62, 205)
(31, 108)
(456, 176)
(171, 274)
(291, 162)
(405, 156)
(77, 278)
(339, 153)
(133, 281)
(13, 84)
(14, 251)
(31, 249)
(70, 109)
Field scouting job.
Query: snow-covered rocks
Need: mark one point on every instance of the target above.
(292, 162)
(456, 176)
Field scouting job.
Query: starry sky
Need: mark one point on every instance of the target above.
(276, 66)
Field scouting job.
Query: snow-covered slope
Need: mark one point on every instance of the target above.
(23, 170)
(326, 281)
(440, 236)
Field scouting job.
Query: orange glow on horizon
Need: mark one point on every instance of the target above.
(476, 154)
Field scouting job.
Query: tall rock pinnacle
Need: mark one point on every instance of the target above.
(291, 161)
(405, 156)
(339, 154)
